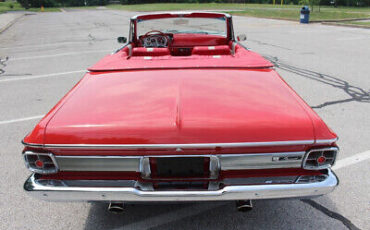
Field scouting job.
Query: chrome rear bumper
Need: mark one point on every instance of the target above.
(57, 190)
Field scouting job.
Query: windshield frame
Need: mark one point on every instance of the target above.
(133, 24)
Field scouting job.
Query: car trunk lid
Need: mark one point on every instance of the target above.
(180, 106)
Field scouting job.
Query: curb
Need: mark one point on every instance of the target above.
(345, 25)
(342, 20)
(7, 26)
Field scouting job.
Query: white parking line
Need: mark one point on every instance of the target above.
(49, 44)
(41, 76)
(351, 38)
(43, 45)
(58, 55)
(357, 158)
(21, 119)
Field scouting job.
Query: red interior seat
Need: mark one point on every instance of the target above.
(142, 51)
(211, 50)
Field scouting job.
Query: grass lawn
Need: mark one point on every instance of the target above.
(7, 6)
(194, 6)
(294, 15)
(255, 10)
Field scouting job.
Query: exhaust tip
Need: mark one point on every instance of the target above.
(116, 208)
(244, 205)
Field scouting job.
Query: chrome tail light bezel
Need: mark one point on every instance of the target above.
(334, 150)
(35, 169)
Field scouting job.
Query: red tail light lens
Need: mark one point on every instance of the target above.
(39, 164)
(43, 163)
(320, 158)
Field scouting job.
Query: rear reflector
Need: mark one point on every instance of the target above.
(43, 163)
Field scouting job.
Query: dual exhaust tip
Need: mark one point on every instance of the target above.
(116, 207)
(241, 206)
(244, 205)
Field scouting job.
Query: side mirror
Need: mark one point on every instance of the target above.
(121, 39)
(241, 37)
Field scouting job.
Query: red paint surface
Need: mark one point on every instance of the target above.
(188, 106)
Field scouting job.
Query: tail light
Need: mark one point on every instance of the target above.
(320, 158)
(43, 163)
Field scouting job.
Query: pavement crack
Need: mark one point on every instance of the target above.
(269, 44)
(331, 214)
(355, 93)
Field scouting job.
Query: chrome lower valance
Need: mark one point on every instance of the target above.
(57, 190)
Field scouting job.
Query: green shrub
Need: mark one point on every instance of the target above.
(37, 3)
(97, 2)
(55, 3)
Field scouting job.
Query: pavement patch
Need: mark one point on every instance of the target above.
(331, 214)
(7, 20)
(172, 216)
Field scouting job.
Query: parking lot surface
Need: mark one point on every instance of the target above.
(47, 53)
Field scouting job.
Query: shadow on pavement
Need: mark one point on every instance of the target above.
(355, 93)
(268, 214)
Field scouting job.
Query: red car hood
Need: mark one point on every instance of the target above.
(180, 106)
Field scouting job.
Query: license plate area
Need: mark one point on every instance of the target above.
(179, 167)
(181, 185)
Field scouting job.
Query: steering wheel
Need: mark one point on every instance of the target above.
(155, 31)
(156, 34)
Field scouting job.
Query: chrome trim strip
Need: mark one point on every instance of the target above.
(60, 192)
(99, 163)
(261, 160)
(172, 146)
(217, 162)
(326, 141)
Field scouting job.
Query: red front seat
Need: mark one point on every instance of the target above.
(142, 51)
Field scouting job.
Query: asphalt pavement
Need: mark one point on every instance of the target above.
(327, 65)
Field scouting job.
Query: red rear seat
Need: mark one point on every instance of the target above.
(211, 50)
(141, 51)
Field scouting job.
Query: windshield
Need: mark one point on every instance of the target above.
(214, 26)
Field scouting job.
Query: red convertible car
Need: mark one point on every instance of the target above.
(183, 112)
